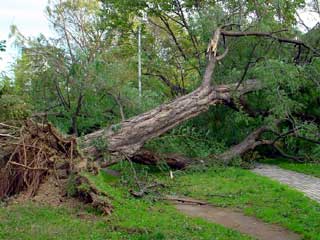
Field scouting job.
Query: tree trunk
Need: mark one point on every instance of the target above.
(249, 143)
(74, 125)
(129, 136)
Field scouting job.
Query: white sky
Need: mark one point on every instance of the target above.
(29, 17)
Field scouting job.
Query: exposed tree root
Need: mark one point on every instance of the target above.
(89, 194)
(35, 153)
(39, 150)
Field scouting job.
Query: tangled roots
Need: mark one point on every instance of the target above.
(34, 151)
(35, 154)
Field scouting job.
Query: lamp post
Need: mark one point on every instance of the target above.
(139, 61)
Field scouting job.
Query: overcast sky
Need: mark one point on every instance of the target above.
(29, 17)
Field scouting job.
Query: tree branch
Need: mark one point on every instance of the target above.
(269, 35)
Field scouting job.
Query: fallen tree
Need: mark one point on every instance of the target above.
(128, 137)
(39, 150)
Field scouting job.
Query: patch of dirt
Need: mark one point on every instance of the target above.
(235, 220)
(51, 193)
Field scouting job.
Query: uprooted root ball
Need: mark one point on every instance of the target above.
(35, 152)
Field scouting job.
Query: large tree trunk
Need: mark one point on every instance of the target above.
(129, 136)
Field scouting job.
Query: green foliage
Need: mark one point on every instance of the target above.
(206, 135)
(12, 106)
(71, 187)
(100, 144)
(187, 140)
(84, 188)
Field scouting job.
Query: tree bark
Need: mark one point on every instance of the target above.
(249, 143)
(174, 161)
(129, 136)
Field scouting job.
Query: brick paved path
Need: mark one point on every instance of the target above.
(309, 185)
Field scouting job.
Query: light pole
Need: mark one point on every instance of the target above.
(139, 60)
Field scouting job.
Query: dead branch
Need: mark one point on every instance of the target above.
(272, 36)
(8, 135)
(184, 200)
(145, 190)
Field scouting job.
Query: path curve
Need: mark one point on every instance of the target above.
(236, 220)
(309, 185)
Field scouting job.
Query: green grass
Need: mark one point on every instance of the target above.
(306, 168)
(159, 220)
(143, 219)
(255, 195)
(32, 221)
(131, 219)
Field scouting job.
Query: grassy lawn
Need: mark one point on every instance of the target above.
(131, 219)
(255, 195)
(306, 168)
(144, 219)
(159, 220)
(31, 221)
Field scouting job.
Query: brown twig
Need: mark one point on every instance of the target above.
(184, 200)
(27, 167)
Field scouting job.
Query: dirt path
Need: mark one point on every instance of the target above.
(309, 185)
(237, 221)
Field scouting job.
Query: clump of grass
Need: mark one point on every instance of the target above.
(306, 168)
